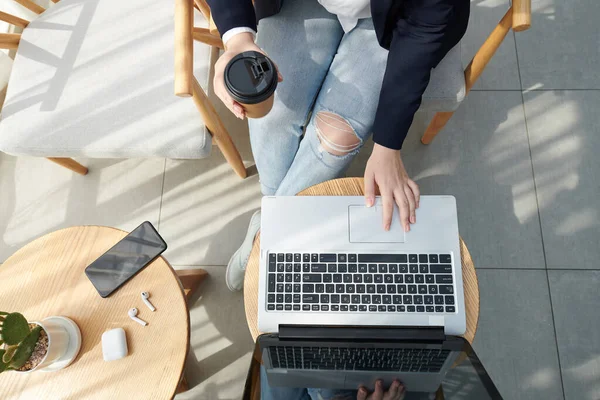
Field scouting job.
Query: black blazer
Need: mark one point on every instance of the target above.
(417, 33)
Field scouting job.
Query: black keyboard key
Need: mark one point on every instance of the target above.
(280, 268)
(318, 268)
(449, 300)
(297, 298)
(420, 308)
(288, 307)
(280, 257)
(429, 278)
(357, 278)
(324, 307)
(441, 269)
(327, 258)
(383, 268)
(329, 288)
(413, 268)
(337, 278)
(353, 307)
(331, 267)
(297, 257)
(368, 278)
(418, 299)
(288, 277)
(400, 308)
(343, 307)
(271, 283)
(271, 307)
(360, 289)
(272, 266)
(342, 267)
(308, 288)
(407, 299)
(315, 307)
(450, 309)
(445, 258)
(366, 299)
(362, 268)
(424, 269)
(391, 289)
(335, 298)
(410, 308)
(393, 268)
(342, 258)
(310, 298)
(327, 278)
(388, 278)
(350, 289)
(305, 258)
(312, 278)
(378, 278)
(423, 258)
(443, 279)
(419, 278)
(355, 298)
(422, 289)
(446, 289)
(352, 268)
(409, 278)
(412, 258)
(319, 288)
(279, 298)
(387, 299)
(428, 299)
(297, 268)
(381, 308)
(335, 307)
(371, 289)
(280, 287)
(433, 289)
(439, 299)
(376, 299)
(296, 307)
(289, 257)
(429, 309)
(279, 307)
(439, 308)
(397, 299)
(362, 307)
(305, 267)
(372, 268)
(345, 299)
(288, 288)
(305, 307)
(297, 288)
(280, 277)
(403, 268)
(382, 258)
(381, 289)
(433, 259)
(412, 289)
(271, 298)
(372, 308)
(398, 278)
(401, 289)
(314, 258)
(347, 278)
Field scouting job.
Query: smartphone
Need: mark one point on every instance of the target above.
(125, 259)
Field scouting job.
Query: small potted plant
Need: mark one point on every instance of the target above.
(48, 345)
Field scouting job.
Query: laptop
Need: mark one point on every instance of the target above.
(425, 360)
(327, 261)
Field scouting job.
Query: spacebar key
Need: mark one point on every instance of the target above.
(310, 298)
(383, 258)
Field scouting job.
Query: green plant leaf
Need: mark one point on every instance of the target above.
(14, 329)
(3, 313)
(8, 354)
(26, 348)
(3, 366)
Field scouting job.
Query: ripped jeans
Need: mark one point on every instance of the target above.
(325, 107)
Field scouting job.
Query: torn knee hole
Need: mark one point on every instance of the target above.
(335, 133)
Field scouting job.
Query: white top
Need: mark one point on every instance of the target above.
(347, 11)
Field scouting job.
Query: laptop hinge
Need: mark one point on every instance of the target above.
(395, 333)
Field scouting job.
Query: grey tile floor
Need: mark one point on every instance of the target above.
(520, 155)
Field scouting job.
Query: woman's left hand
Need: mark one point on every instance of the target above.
(396, 392)
(385, 168)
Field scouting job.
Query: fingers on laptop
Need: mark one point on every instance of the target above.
(395, 392)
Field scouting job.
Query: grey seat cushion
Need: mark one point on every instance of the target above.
(446, 89)
(95, 78)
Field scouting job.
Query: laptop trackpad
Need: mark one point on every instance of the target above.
(366, 225)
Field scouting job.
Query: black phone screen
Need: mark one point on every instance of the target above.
(125, 259)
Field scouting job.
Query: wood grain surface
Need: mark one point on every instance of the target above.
(354, 187)
(46, 278)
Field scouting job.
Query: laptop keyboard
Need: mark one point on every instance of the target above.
(388, 283)
(358, 359)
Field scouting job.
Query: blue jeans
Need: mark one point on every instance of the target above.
(280, 393)
(324, 71)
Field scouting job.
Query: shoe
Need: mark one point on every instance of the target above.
(236, 268)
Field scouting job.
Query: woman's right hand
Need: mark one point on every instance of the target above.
(236, 45)
(395, 392)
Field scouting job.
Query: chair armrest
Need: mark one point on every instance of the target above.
(184, 47)
(9, 40)
(521, 15)
(11, 19)
(202, 5)
(31, 6)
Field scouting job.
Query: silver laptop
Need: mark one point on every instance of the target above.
(328, 261)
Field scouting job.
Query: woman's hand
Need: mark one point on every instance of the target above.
(395, 392)
(236, 45)
(385, 168)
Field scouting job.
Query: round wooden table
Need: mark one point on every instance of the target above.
(46, 278)
(354, 187)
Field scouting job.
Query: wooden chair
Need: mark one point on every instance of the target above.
(126, 110)
(518, 17)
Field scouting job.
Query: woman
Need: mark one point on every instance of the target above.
(351, 68)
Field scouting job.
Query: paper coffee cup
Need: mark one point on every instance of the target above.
(251, 79)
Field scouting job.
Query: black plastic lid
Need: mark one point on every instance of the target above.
(250, 77)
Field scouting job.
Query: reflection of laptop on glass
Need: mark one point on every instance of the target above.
(348, 357)
(328, 261)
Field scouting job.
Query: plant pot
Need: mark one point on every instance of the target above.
(64, 343)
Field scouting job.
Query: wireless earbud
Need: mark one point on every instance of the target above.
(145, 296)
(133, 315)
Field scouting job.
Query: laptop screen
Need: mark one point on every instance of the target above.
(455, 374)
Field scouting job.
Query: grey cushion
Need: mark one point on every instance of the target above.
(95, 78)
(446, 88)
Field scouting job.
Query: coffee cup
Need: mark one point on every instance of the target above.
(251, 80)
